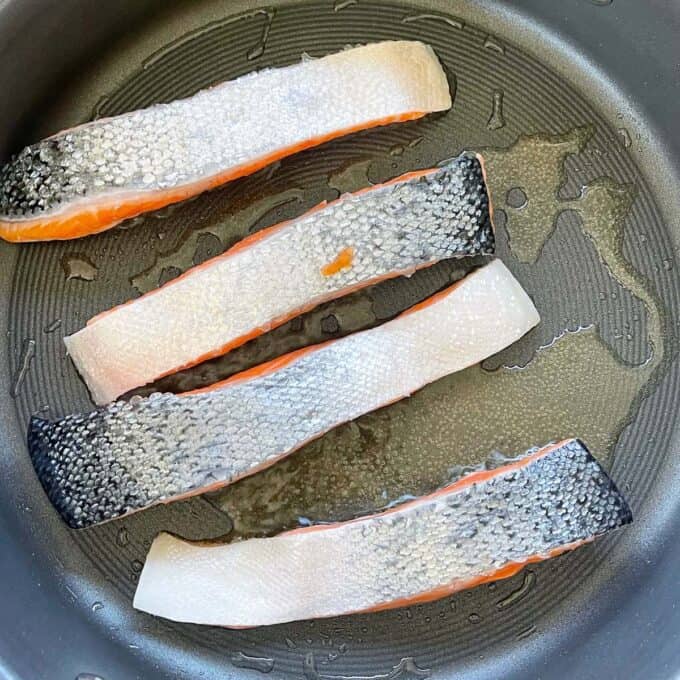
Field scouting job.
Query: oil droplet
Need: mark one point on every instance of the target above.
(207, 247)
(168, 274)
(625, 137)
(516, 198)
(231, 228)
(496, 120)
(122, 537)
(398, 149)
(52, 326)
(258, 50)
(255, 663)
(329, 324)
(25, 360)
(408, 668)
(350, 177)
(97, 606)
(309, 667)
(520, 593)
(454, 23)
(136, 565)
(339, 5)
(526, 632)
(78, 266)
(493, 45)
(474, 618)
(187, 39)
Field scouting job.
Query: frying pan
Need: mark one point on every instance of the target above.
(608, 610)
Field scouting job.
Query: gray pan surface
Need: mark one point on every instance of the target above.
(589, 220)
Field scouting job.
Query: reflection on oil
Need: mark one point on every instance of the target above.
(496, 119)
(450, 21)
(77, 266)
(537, 165)
(24, 366)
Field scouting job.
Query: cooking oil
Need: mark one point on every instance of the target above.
(575, 386)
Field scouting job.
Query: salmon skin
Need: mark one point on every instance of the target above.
(484, 527)
(361, 238)
(104, 464)
(86, 179)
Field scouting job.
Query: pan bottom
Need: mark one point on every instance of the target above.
(579, 225)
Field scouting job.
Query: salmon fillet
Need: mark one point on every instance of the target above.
(129, 455)
(482, 528)
(89, 178)
(280, 272)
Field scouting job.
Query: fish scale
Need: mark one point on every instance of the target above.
(391, 229)
(86, 179)
(483, 527)
(166, 445)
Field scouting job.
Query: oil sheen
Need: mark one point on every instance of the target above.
(574, 385)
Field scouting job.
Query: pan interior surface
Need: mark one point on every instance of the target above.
(579, 223)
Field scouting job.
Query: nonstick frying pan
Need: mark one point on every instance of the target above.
(526, 67)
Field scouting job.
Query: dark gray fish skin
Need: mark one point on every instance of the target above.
(33, 181)
(390, 229)
(549, 501)
(89, 177)
(82, 494)
(147, 450)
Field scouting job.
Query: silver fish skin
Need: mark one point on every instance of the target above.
(481, 528)
(104, 464)
(84, 180)
(361, 238)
